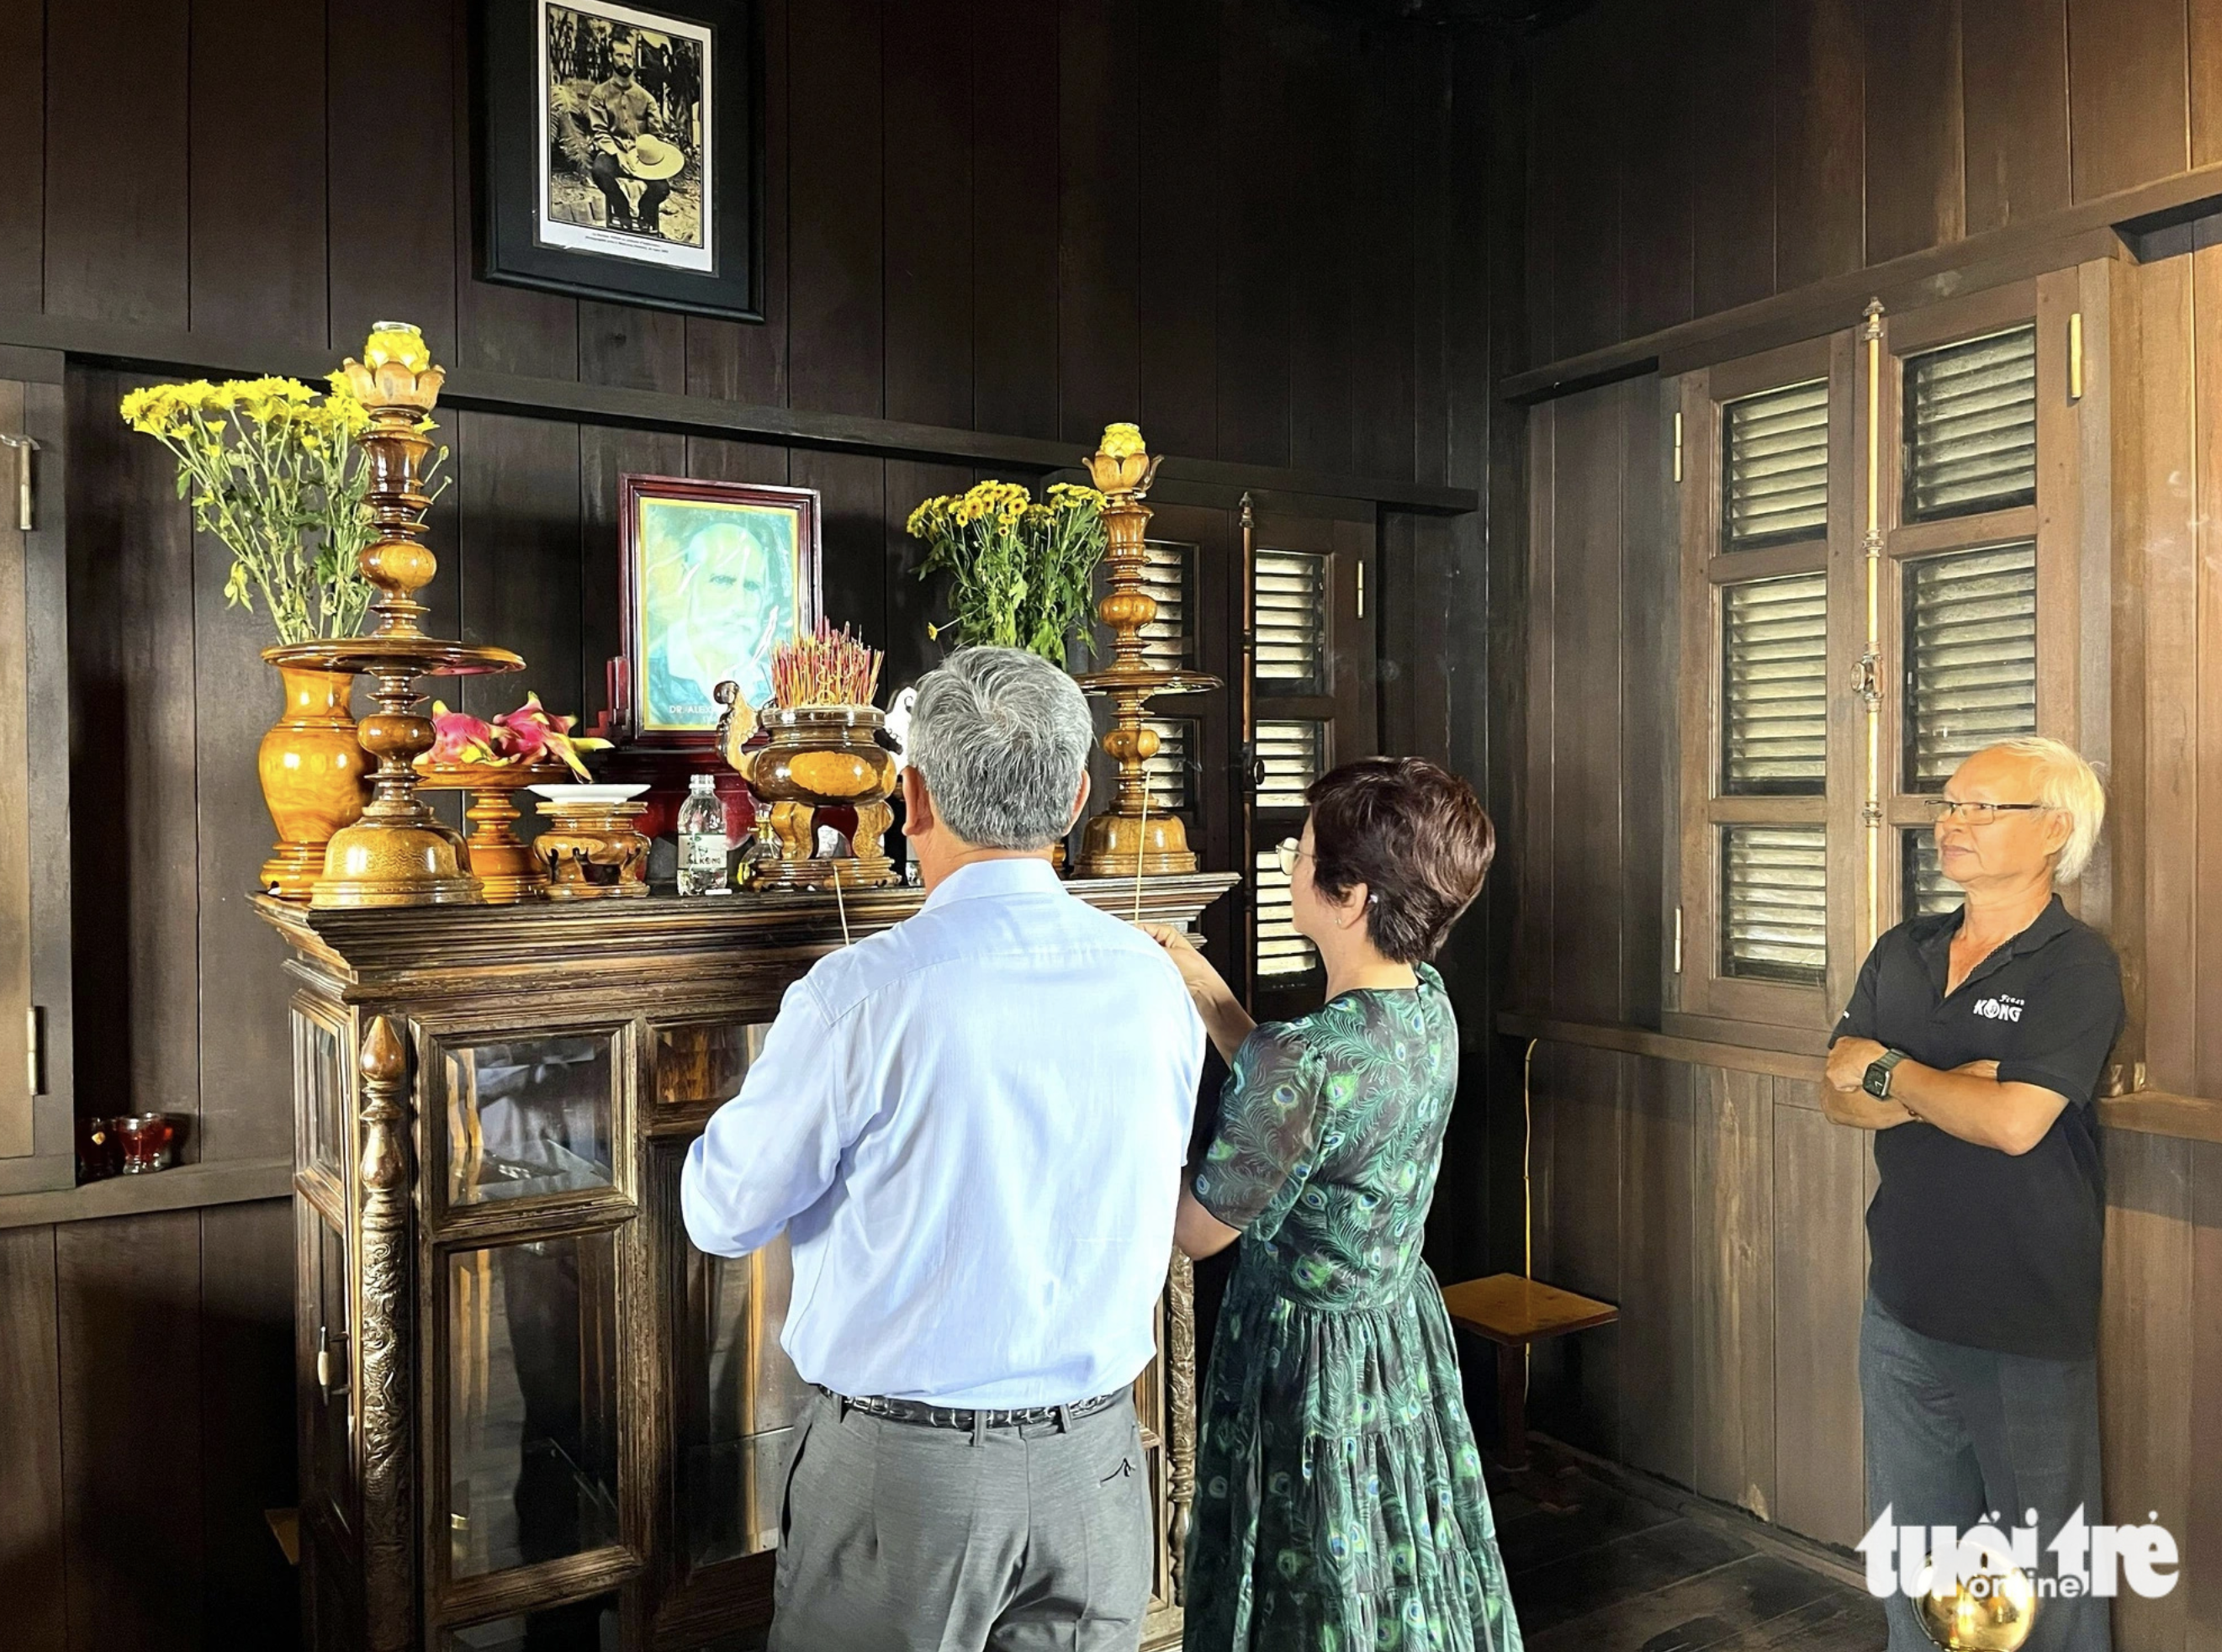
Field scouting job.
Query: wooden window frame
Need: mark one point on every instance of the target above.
(2051, 523)
(1346, 706)
(2072, 557)
(1707, 568)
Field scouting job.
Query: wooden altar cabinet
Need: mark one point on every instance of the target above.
(530, 1413)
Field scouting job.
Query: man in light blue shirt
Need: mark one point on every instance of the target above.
(971, 1127)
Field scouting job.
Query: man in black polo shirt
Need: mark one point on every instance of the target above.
(1974, 1047)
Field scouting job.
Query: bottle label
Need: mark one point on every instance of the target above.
(705, 852)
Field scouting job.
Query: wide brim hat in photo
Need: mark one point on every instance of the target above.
(652, 158)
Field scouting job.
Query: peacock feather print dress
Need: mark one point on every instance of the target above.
(1339, 1501)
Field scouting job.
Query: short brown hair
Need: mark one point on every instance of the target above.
(1415, 835)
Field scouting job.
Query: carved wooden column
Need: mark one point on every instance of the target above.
(1180, 1405)
(387, 1342)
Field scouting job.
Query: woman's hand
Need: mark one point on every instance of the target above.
(1202, 980)
(1224, 1019)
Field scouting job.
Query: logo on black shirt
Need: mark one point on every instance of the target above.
(2004, 1007)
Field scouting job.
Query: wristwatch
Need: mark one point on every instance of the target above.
(1877, 1082)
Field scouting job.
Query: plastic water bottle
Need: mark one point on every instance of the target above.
(702, 845)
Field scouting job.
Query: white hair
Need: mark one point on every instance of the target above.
(2065, 782)
(1001, 739)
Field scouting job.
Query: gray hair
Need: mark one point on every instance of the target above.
(1001, 739)
(2067, 783)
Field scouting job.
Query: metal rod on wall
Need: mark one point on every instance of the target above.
(1869, 681)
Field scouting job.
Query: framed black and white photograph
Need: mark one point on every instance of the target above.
(621, 151)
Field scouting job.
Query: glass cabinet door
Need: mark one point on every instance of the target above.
(743, 1400)
(529, 1116)
(332, 1404)
(532, 1369)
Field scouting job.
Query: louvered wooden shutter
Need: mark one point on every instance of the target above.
(1168, 573)
(1291, 620)
(1774, 480)
(1971, 426)
(1281, 951)
(1927, 889)
(1775, 903)
(1291, 749)
(1970, 658)
(1169, 773)
(1774, 686)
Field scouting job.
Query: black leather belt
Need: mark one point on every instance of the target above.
(944, 1416)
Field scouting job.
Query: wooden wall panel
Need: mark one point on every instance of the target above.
(116, 185)
(2014, 76)
(2204, 967)
(1577, 1243)
(1657, 254)
(2127, 67)
(1179, 59)
(1260, 198)
(1099, 218)
(1586, 110)
(246, 1381)
(132, 1473)
(1732, 1288)
(836, 296)
(1820, 1281)
(257, 170)
(1587, 853)
(245, 1083)
(1658, 1322)
(2201, 1544)
(1014, 212)
(2169, 549)
(746, 362)
(519, 567)
(23, 135)
(1820, 147)
(1385, 432)
(1916, 194)
(398, 59)
(624, 345)
(131, 633)
(1733, 93)
(34, 1565)
(929, 212)
(1323, 301)
(2203, 25)
(2145, 1369)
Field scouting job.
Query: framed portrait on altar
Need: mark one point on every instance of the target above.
(715, 575)
(622, 150)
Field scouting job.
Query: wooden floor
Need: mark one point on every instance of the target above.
(1629, 1569)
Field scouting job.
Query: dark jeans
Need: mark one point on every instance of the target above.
(1955, 1435)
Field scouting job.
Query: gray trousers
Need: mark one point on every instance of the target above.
(1954, 1433)
(896, 1537)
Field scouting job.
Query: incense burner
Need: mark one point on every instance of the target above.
(825, 757)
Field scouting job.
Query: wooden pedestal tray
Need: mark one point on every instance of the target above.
(504, 864)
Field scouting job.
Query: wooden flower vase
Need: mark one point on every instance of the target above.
(313, 773)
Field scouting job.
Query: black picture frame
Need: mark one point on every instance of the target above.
(523, 246)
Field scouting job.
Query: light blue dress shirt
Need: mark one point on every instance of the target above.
(972, 1127)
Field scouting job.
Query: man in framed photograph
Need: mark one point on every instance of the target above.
(621, 112)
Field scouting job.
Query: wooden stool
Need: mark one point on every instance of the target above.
(1512, 1312)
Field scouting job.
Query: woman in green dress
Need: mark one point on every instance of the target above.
(1339, 1501)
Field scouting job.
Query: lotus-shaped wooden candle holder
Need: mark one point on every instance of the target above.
(823, 757)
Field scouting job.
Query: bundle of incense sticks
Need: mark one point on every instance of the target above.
(827, 668)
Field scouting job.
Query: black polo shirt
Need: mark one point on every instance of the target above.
(1968, 1244)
